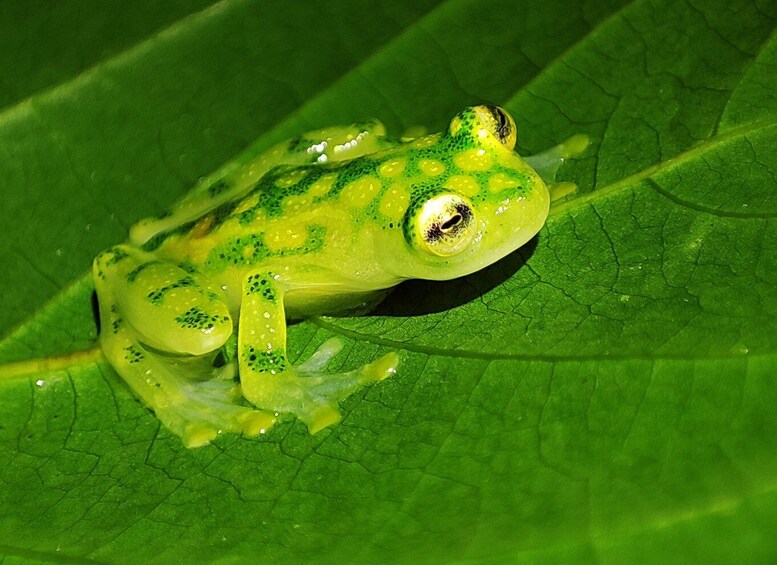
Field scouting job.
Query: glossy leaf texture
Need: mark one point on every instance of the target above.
(605, 394)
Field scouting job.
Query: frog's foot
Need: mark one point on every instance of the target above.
(561, 190)
(268, 379)
(310, 394)
(199, 411)
(190, 397)
(196, 411)
(548, 162)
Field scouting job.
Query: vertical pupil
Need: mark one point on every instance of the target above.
(499, 116)
(504, 127)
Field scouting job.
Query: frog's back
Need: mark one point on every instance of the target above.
(340, 224)
(295, 212)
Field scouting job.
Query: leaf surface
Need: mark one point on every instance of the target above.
(605, 393)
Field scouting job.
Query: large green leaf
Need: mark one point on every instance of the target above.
(606, 393)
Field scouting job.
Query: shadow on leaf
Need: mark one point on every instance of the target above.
(421, 297)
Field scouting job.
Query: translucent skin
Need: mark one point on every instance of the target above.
(319, 223)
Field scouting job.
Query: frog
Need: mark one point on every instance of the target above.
(194, 306)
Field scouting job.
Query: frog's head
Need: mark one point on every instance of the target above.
(488, 203)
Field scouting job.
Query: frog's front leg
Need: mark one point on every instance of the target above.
(548, 162)
(160, 329)
(268, 379)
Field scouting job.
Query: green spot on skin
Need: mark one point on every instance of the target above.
(272, 196)
(195, 318)
(265, 361)
(268, 295)
(156, 241)
(116, 256)
(134, 273)
(217, 188)
(157, 295)
(251, 250)
(351, 171)
(223, 212)
(188, 266)
(132, 355)
(258, 284)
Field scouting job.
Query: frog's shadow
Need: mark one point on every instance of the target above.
(421, 297)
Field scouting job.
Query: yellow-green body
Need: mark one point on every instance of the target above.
(320, 223)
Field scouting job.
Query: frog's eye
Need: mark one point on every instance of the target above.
(498, 124)
(445, 224)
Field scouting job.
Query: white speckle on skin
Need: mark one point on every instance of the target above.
(40, 383)
(317, 148)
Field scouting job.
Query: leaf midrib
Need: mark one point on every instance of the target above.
(538, 357)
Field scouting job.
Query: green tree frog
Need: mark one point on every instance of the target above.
(320, 223)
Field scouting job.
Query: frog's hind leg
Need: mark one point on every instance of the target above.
(189, 396)
(268, 379)
(548, 162)
(240, 175)
(170, 309)
(195, 411)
